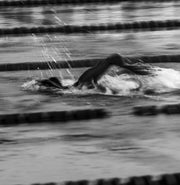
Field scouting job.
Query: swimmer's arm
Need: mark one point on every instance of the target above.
(139, 67)
(93, 74)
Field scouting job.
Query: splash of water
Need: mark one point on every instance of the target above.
(163, 81)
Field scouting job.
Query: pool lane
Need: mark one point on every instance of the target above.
(82, 46)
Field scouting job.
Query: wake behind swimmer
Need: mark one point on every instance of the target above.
(135, 76)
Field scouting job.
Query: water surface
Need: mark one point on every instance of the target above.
(119, 146)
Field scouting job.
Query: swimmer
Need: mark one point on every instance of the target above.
(90, 77)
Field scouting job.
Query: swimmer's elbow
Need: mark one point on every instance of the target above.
(115, 59)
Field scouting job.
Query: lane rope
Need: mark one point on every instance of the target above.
(164, 179)
(153, 110)
(74, 29)
(29, 3)
(52, 117)
(81, 63)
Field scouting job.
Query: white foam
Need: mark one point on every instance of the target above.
(163, 80)
(122, 85)
(31, 85)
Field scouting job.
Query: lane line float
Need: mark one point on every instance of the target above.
(152, 110)
(52, 117)
(81, 63)
(164, 179)
(30, 3)
(74, 29)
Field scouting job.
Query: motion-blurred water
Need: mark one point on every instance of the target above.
(122, 145)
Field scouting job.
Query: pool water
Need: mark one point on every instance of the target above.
(121, 145)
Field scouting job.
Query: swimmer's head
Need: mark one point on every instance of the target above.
(51, 82)
(116, 59)
(149, 92)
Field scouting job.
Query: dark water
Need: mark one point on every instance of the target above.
(121, 145)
